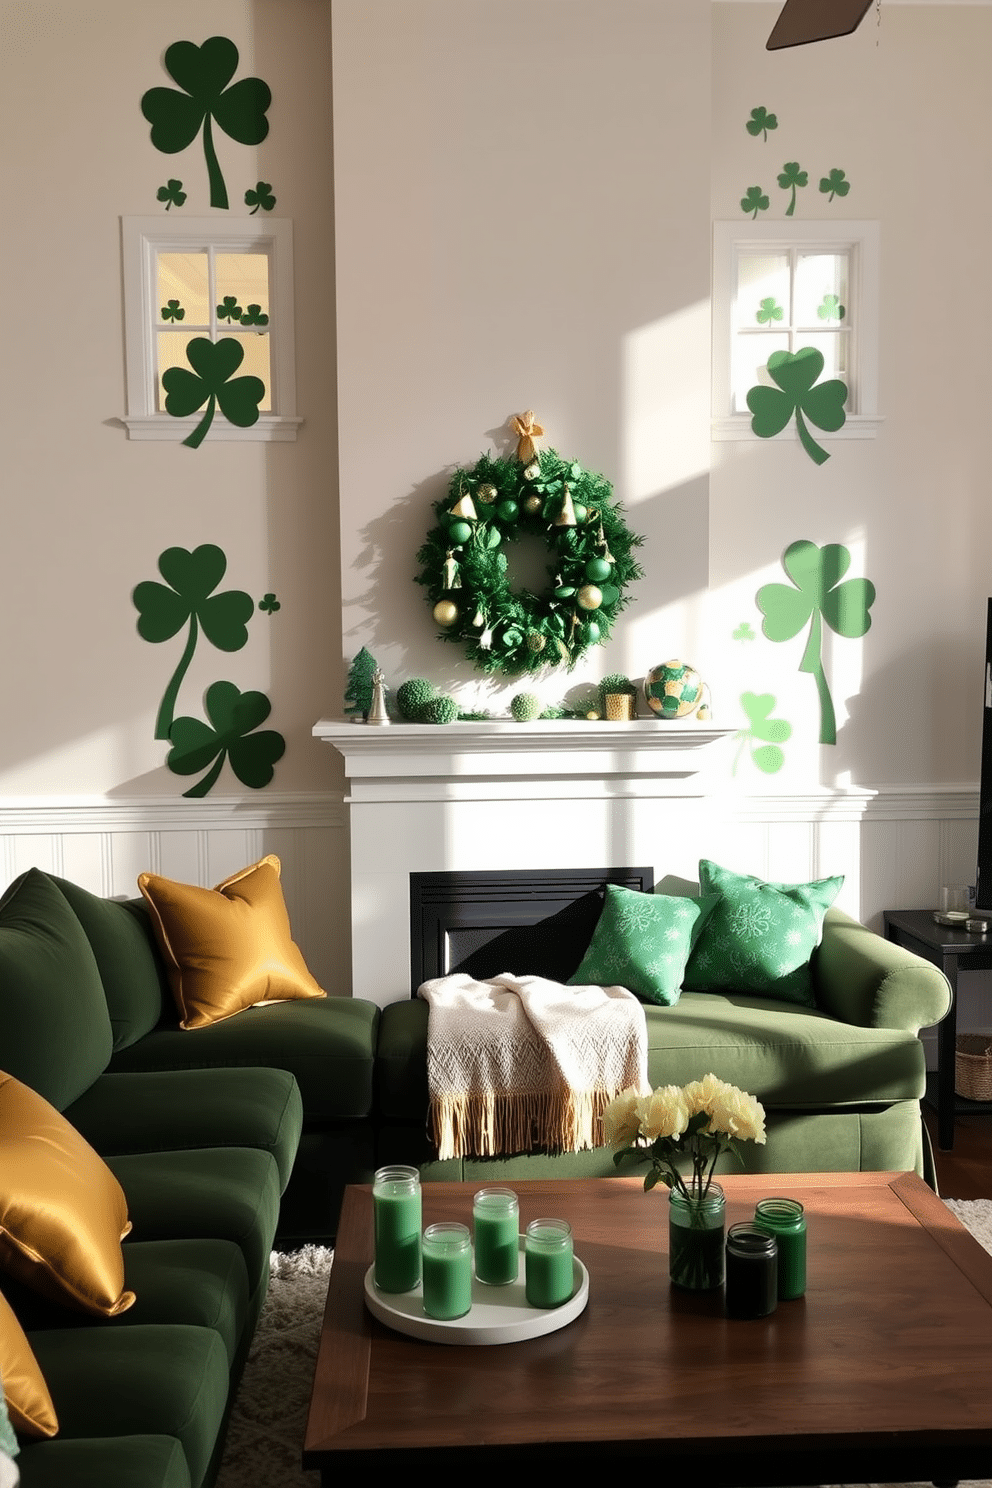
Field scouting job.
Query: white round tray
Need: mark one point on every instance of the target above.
(499, 1314)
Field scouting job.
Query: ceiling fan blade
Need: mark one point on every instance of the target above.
(802, 21)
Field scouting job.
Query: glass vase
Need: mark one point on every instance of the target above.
(696, 1238)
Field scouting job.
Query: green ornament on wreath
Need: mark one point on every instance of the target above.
(463, 562)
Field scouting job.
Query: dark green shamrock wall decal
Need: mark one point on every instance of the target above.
(260, 196)
(213, 363)
(769, 310)
(252, 315)
(795, 373)
(831, 308)
(755, 201)
(203, 74)
(234, 715)
(230, 309)
(188, 596)
(760, 122)
(818, 595)
(269, 603)
(171, 193)
(768, 757)
(835, 184)
(790, 178)
(173, 311)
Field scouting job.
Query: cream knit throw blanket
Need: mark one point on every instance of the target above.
(517, 1064)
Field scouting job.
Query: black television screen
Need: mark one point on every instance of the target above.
(983, 888)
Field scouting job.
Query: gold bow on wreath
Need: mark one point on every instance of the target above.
(524, 425)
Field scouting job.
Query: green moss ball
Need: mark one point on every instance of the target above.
(525, 707)
(440, 709)
(411, 697)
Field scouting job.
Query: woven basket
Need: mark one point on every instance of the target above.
(973, 1066)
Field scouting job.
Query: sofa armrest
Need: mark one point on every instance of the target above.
(863, 979)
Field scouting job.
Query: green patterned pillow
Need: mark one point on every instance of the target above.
(642, 942)
(761, 936)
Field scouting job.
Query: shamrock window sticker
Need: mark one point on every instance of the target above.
(817, 595)
(212, 381)
(205, 97)
(796, 393)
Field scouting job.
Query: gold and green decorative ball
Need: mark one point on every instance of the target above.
(487, 494)
(673, 689)
(445, 613)
(535, 642)
(589, 597)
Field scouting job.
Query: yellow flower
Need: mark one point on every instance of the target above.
(620, 1119)
(663, 1113)
(730, 1110)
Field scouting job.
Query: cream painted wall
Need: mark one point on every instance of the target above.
(522, 200)
(86, 511)
(904, 107)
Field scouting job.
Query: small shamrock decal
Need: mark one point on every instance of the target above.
(760, 122)
(818, 595)
(203, 73)
(213, 363)
(171, 193)
(795, 373)
(252, 315)
(770, 310)
(173, 311)
(791, 177)
(234, 715)
(230, 310)
(836, 184)
(768, 757)
(754, 202)
(188, 595)
(744, 632)
(831, 308)
(270, 603)
(260, 196)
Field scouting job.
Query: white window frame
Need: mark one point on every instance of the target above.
(861, 240)
(142, 240)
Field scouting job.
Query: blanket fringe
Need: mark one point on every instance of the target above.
(491, 1124)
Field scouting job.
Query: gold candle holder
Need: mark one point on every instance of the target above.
(619, 707)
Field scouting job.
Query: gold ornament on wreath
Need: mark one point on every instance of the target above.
(488, 507)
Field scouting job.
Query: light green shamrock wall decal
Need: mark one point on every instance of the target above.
(790, 178)
(767, 757)
(234, 715)
(213, 363)
(817, 595)
(760, 122)
(188, 596)
(754, 202)
(794, 374)
(769, 310)
(203, 74)
(744, 632)
(830, 308)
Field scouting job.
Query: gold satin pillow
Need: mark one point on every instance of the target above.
(228, 948)
(63, 1214)
(29, 1404)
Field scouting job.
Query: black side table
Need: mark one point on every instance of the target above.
(952, 951)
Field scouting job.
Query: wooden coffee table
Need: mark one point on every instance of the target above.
(882, 1373)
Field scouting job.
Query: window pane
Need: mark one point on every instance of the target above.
(183, 277)
(257, 363)
(751, 355)
(834, 346)
(243, 277)
(171, 353)
(822, 289)
(762, 289)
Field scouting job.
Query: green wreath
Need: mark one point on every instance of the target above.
(464, 565)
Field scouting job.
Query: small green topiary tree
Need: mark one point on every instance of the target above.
(439, 709)
(358, 693)
(525, 707)
(411, 697)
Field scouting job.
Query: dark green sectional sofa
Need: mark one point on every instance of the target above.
(225, 1137)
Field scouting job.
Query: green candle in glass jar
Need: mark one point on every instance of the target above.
(548, 1272)
(785, 1219)
(396, 1209)
(447, 1258)
(496, 1221)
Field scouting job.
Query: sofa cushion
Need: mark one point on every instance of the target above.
(222, 1193)
(163, 1379)
(642, 942)
(179, 1109)
(131, 970)
(62, 1212)
(55, 1030)
(29, 1404)
(784, 1055)
(327, 1043)
(100, 1461)
(760, 936)
(227, 948)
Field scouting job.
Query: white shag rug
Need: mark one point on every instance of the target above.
(265, 1435)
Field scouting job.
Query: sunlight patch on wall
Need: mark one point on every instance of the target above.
(665, 403)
